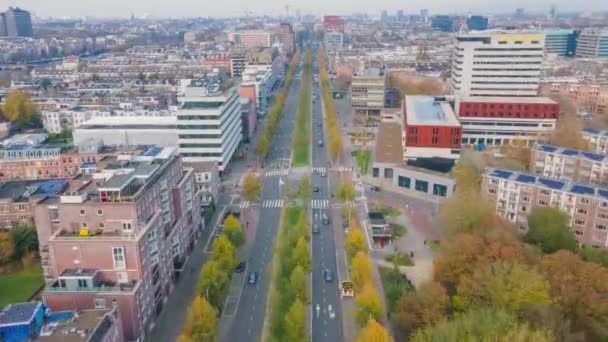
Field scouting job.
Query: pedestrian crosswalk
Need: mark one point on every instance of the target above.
(277, 203)
(319, 170)
(280, 164)
(344, 169)
(319, 203)
(271, 173)
(245, 204)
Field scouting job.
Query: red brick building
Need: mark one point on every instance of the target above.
(333, 23)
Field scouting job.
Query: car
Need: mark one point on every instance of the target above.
(252, 278)
(315, 229)
(320, 142)
(325, 218)
(328, 276)
(315, 189)
(323, 174)
(240, 267)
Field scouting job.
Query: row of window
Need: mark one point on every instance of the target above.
(422, 186)
(510, 106)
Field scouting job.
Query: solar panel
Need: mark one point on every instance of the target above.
(550, 183)
(502, 173)
(582, 190)
(547, 148)
(567, 152)
(526, 179)
(594, 156)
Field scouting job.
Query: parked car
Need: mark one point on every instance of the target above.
(252, 278)
(315, 189)
(315, 228)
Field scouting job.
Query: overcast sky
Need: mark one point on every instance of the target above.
(195, 8)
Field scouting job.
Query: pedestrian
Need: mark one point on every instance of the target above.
(411, 254)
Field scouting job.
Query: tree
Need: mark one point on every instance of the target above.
(488, 324)
(424, 307)
(360, 271)
(213, 283)
(7, 247)
(468, 170)
(301, 254)
(568, 133)
(25, 240)
(223, 252)
(297, 280)
(368, 304)
(550, 230)
(251, 187)
(346, 193)
(234, 231)
(19, 109)
(354, 243)
(592, 254)
(263, 145)
(580, 289)
(374, 332)
(201, 322)
(510, 286)
(466, 212)
(295, 322)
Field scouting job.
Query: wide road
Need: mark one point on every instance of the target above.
(248, 323)
(327, 321)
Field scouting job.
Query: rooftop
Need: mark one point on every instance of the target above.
(595, 131)
(389, 148)
(550, 183)
(428, 110)
(376, 218)
(19, 313)
(594, 157)
(23, 190)
(508, 99)
(90, 325)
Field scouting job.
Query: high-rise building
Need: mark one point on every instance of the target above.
(333, 40)
(477, 23)
(592, 42)
(519, 13)
(561, 42)
(384, 16)
(568, 164)
(287, 36)
(497, 64)
(119, 236)
(553, 12)
(3, 32)
(209, 122)
(442, 23)
(400, 15)
(367, 90)
(18, 23)
(333, 23)
(424, 14)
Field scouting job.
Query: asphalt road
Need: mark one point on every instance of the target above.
(327, 319)
(248, 322)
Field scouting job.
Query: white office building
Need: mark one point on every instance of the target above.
(497, 64)
(208, 122)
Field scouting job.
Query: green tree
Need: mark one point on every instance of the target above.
(346, 193)
(424, 307)
(354, 243)
(251, 187)
(25, 240)
(592, 254)
(19, 109)
(297, 280)
(369, 305)
(263, 145)
(295, 322)
(7, 247)
(301, 254)
(549, 230)
(374, 332)
(488, 324)
(223, 252)
(201, 322)
(234, 231)
(213, 283)
(360, 271)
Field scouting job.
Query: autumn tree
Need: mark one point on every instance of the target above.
(468, 170)
(426, 306)
(301, 254)
(466, 212)
(580, 289)
(251, 187)
(223, 252)
(550, 230)
(568, 133)
(7, 247)
(233, 229)
(346, 193)
(213, 283)
(354, 243)
(295, 322)
(19, 109)
(369, 305)
(297, 280)
(305, 188)
(360, 270)
(201, 322)
(374, 332)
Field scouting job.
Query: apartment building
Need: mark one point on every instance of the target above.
(497, 64)
(18, 23)
(561, 42)
(209, 122)
(588, 98)
(252, 38)
(263, 73)
(333, 41)
(568, 164)
(119, 236)
(515, 194)
(287, 37)
(499, 120)
(367, 90)
(127, 131)
(431, 128)
(597, 138)
(592, 42)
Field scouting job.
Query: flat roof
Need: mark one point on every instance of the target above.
(389, 148)
(590, 156)
(595, 131)
(17, 189)
(88, 324)
(427, 110)
(18, 314)
(508, 99)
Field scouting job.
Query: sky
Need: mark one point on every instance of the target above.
(203, 8)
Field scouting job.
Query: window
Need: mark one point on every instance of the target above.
(600, 227)
(579, 222)
(404, 182)
(440, 190)
(523, 208)
(99, 212)
(101, 225)
(83, 283)
(118, 255)
(584, 200)
(541, 202)
(82, 212)
(582, 211)
(100, 303)
(578, 233)
(545, 192)
(422, 186)
(375, 172)
(121, 277)
(388, 173)
(492, 191)
(84, 225)
(127, 227)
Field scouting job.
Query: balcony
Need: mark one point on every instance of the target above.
(101, 286)
(90, 234)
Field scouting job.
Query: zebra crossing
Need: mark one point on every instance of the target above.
(244, 204)
(319, 203)
(280, 164)
(277, 203)
(344, 169)
(319, 169)
(281, 172)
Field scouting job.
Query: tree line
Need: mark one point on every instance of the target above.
(332, 125)
(301, 131)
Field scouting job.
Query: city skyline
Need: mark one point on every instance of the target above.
(192, 8)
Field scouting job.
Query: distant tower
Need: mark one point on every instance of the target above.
(132, 16)
(298, 14)
(553, 12)
(286, 11)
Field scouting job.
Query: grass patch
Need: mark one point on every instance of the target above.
(398, 230)
(433, 245)
(401, 259)
(395, 285)
(20, 285)
(301, 131)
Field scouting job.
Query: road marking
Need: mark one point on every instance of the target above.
(276, 203)
(245, 204)
(274, 173)
(319, 203)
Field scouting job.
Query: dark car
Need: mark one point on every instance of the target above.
(252, 278)
(240, 267)
(328, 276)
(315, 228)
(315, 189)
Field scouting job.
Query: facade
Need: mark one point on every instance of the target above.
(431, 128)
(206, 181)
(592, 42)
(263, 74)
(568, 164)
(367, 90)
(588, 98)
(515, 194)
(252, 38)
(597, 138)
(238, 61)
(128, 131)
(333, 23)
(561, 42)
(18, 23)
(3, 32)
(287, 37)
(498, 120)
(497, 64)
(333, 40)
(477, 23)
(119, 236)
(209, 122)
